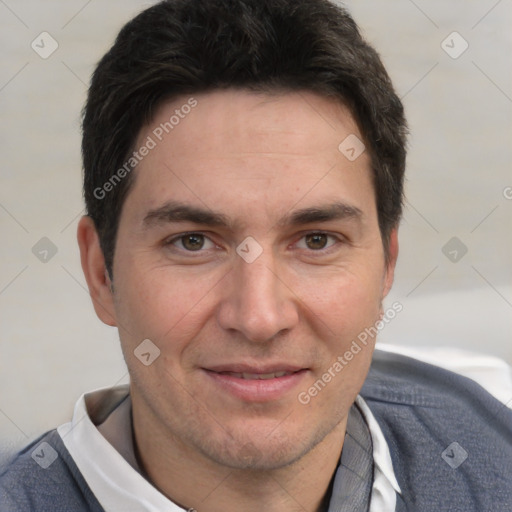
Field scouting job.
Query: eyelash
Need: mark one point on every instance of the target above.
(177, 238)
(337, 241)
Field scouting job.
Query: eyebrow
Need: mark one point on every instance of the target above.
(174, 211)
(330, 212)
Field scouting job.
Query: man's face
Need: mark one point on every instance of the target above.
(242, 334)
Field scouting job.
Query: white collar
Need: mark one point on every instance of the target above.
(116, 485)
(115, 481)
(385, 487)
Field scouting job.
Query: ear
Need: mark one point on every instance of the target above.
(96, 275)
(391, 263)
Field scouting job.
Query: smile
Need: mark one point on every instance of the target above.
(257, 376)
(256, 386)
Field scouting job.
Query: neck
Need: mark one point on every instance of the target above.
(194, 481)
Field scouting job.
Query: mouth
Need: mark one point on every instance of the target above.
(251, 384)
(257, 376)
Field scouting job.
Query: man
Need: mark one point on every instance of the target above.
(243, 177)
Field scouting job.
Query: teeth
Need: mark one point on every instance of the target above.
(257, 376)
(281, 374)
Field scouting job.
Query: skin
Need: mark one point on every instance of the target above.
(256, 159)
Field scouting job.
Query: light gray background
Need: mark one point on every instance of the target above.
(52, 346)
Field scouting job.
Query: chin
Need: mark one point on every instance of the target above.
(267, 460)
(265, 454)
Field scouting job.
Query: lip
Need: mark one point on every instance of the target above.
(228, 379)
(254, 368)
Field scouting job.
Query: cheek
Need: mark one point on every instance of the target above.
(163, 306)
(343, 314)
(343, 303)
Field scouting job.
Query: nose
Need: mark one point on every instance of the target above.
(257, 302)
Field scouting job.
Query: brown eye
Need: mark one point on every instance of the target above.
(316, 241)
(193, 242)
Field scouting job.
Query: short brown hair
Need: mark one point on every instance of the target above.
(179, 47)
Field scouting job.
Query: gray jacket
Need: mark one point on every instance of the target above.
(450, 443)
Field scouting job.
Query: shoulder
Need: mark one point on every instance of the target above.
(396, 381)
(402, 379)
(446, 434)
(43, 477)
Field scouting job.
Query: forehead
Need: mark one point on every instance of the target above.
(244, 121)
(227, 148)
